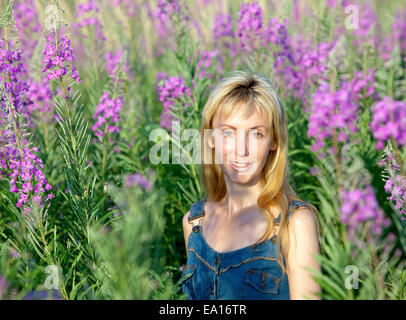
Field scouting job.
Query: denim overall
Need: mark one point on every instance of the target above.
(245, 273)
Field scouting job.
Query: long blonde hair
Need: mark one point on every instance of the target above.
(253, 90)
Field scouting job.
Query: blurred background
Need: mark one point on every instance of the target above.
(84, 211)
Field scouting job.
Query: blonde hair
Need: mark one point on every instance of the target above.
(253, 90)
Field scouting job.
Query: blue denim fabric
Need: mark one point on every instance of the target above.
(242, 274)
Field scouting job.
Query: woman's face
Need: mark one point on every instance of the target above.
(242, 146)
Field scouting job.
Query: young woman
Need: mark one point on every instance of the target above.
(250, 237)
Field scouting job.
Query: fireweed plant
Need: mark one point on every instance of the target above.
(74, 141)
(18, 157)
(86, 213)
(108, 111)
(20, 166)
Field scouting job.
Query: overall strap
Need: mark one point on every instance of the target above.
(197, 210)
(293, 205)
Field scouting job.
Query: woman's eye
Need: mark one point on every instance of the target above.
(227, 133)
(258, 135)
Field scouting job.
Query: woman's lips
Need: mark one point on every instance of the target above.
(240, 167)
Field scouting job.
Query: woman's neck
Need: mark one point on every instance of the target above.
(240, 197)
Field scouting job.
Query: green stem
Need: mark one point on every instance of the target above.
(46, 138)
(12, 111)
(332, 27)
(105, 146)
(6, 35)
(337, 159)
(390, 82)
(4, 150)
(69, 119)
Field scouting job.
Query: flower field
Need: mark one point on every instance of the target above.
(89, 210)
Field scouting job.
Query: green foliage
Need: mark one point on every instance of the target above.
(112, 241)
(130, 249)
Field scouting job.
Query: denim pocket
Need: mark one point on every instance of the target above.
(258, 284)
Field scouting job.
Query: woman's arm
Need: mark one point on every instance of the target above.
(187, 229)
(303, 243)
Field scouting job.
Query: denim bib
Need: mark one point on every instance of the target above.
(242, 274)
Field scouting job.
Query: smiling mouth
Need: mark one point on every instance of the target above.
(238, 166)
(241, 164)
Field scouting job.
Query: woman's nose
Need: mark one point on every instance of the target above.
(242, 143)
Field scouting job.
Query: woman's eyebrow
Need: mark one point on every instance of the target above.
(227, 125)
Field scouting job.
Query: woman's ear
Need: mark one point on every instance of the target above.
(274, 146)
(210, 140)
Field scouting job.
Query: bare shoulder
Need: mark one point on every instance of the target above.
(187, 227)
(302, 217)
(303, 227)
(185, 221)
(303, 247)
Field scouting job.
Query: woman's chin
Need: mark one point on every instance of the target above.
(242, 176)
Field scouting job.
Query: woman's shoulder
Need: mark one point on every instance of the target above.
(302, 216)
(196, 210)
(297, 204)
(185, 218)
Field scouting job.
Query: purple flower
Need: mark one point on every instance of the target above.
(331, 3)
(82, 8)
(27, 187)
(223, 26)
(171, 91)
(297, 64)
(75, 75)
(368, 22)
(396, 37)
(112, 61)
(398, 32)
(18, 159)
(275, 34)
(130, 7)
(332, 113)
(137, 179)
(3, 286)
(107, 114)
(302, 66)
(41, 106)
(12, 73)
(42, 295)
(89, 9)
(314, 171)
(359, 206)
(164, 23)
(28, 26)
(249, 25)
(363, 85)
(395, 184)
(206, 61)
(388, 120)
(224, 37)
(57, 61)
